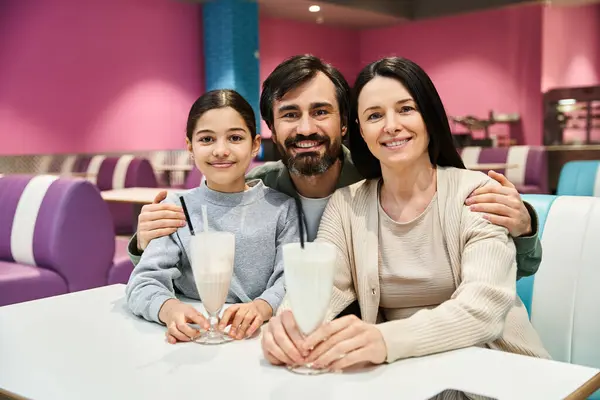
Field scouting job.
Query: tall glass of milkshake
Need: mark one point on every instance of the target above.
(212, 257)
(309, 274)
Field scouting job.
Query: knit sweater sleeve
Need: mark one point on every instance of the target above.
(287, 232)
(476, 312)
(334, 229)
(151, 282)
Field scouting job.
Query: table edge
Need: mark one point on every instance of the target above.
(487, 165)
(587, 389)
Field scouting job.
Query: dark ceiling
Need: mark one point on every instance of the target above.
(408, 10)
(420, 9)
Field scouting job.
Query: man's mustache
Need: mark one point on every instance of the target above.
(292, 141)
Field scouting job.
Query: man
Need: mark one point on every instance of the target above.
(305, 103)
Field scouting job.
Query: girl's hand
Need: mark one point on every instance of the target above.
(345, 342)
(176, 316)
(246, 318)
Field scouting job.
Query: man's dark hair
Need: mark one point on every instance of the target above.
(296, 71)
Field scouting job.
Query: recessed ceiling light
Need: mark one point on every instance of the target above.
(314, 8)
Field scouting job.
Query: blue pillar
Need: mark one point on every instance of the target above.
(231, 48)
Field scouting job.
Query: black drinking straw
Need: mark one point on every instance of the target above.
(300, 221)
(187, 215)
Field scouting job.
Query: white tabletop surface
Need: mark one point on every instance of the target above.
(87, 345)
(140, 195)
(490, 166)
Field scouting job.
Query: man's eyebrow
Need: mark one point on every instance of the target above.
(288, 107)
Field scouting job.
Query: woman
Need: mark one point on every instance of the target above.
(222, 140)
(430, 275)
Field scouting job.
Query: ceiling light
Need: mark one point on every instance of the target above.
(314, 8)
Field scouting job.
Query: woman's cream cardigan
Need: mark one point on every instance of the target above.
(484, 310)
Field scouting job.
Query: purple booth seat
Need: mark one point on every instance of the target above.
(122, 265)
(193, 178)
(55, 237)
(117, 173)
(494, 155)
(531, 174)
(535, 180)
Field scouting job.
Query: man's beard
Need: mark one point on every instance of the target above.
(310, 163)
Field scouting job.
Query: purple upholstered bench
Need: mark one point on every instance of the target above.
(531, 174)
(117, 173)
(122, 265)
(193, 179)
(56, 236)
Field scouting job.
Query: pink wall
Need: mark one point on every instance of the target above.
(571, 46)
(97, 76)
(571, 54)
(120, 76)
(73, 84)
(479, 62)
(280, 39)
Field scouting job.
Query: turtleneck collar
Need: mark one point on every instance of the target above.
(253, 194)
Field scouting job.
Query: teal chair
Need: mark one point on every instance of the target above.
(579, 178)
(562, 298)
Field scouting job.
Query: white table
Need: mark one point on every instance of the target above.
(136, 195)
(87, 345)
(490, 166)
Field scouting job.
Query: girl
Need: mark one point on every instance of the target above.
(222, 140)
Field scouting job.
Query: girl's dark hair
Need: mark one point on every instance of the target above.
(221, 98)
(441, 147)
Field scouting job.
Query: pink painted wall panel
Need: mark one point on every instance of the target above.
(571, 54)
(571, 46)
(479, 62)
(97, 76)
(121, 75)
(281, 39)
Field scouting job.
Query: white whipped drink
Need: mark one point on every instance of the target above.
(212, 257)
(213, 289)
(309, 275)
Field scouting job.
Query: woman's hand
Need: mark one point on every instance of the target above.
(345, 342)
(246, 318)
(176, 316)
(281, 341)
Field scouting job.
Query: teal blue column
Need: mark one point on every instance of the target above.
(231, 48)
